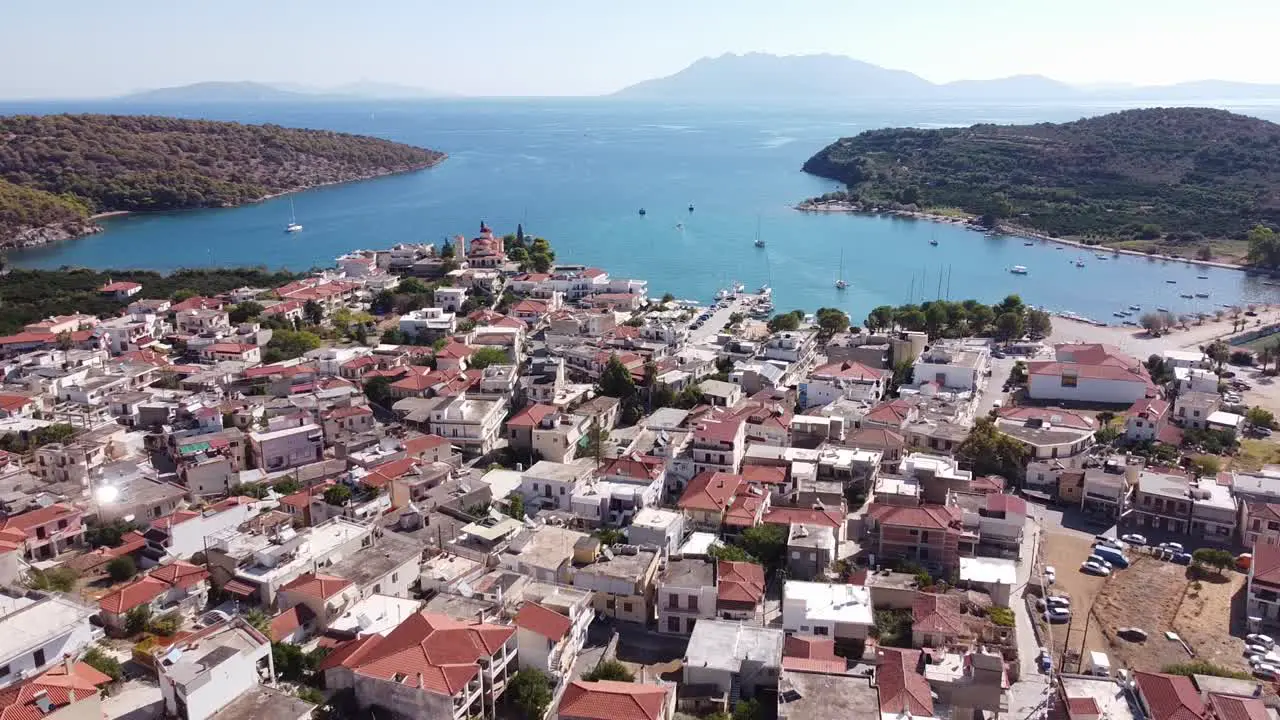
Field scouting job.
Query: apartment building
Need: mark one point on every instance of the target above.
(286, 445)
(210, 669)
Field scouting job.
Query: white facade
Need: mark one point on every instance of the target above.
(428, 322)
(187, 538)
(959, 368)
(204, 673)
(826, 610)
(472, 424)
(35, 634)
(553, 484)
(1071, 387)
(289, 447)
(450, 299)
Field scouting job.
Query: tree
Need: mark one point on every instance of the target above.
(768, 543)
(1260, 417)
(378, 390)
(1039, 324)
(313, 312)
(259, 621)
(515, 505)
(122, 568)
(784, 322)
(1206, 465)
(337, 495)
(610, 536)
(289, 344)
(244, 311)
(60, 579)
(616, 380)
(291, 662)
(732, 553)
(667, 297)
(108, 535)
(1217, 559)
(531, 691)
(991, 452)
(447, 251)
(486, 356)
(1217, 351)
(832, 321)
(935, 318)
(137, 619)
(880, 318)
(103, 663)
(748, 710)
(690, 397)
(734, 318)
(288, 486)
(182, 294)
(1264, 246)
(610, 670)
(910, 318)
(980, 318)
(1010, 326)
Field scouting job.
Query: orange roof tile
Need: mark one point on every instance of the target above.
(317, 586)
(611, 700)
(139, 592)
(544, 621)
(432, 652)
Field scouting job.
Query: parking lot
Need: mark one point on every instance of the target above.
(1064, 551)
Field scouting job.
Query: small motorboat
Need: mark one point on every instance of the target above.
(1018, 269)
(1120, 314)
(690, 207)
(1079, 263)
(1028, 244)
(1187, 296)
(1202, 277)
(679, 226)
(1172, 282)
(1202, 295)
(759, 243)
(1135, 307)
(642, 211)
(1101, 257)
(933, 242)
(1162, 309)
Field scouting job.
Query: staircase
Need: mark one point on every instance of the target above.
(735, 691)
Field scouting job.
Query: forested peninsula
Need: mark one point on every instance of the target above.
(1185, 181)
(57, 171)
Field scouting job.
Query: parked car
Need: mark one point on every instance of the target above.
(1099, 560)
(1132, 634)
(1093, 568)
(1259, 639)
(1176, 547)
(1058, 601)
(1056, 614)
(1111, 543)
(1181, 558)
(1256, 649)
(1266, 671)
(1050, 575)
(1045, 660)
(1135, 539)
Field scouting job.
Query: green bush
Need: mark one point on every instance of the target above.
(610, 670)
(103, 663)
(1001, 616)
(1203, 667)
(122, 568)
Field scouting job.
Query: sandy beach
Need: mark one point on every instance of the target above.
(1007, 229)
(1139, 343)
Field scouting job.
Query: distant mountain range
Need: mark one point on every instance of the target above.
(245, 91)
(762, 77)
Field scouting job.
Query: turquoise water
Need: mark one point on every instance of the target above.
(577, 171)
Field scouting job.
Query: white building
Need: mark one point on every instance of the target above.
(37, 631)
(209, 670)
(183, 534)
(839, 612)
(849, 380)
(470, 423)
(428, 322)
(657, 527)
(1089, 374)
(450, 299)
(287, 447)
(954, 366)
(551, 627)
(553, 484)
(686, 594)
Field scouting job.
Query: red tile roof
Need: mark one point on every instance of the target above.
(381, 475)
(848, 371)
(806, 653)
(1053, 368)
(351, 653)
(139, 592)
(901, 687)
(284, 623)
(349, 411)
(1154, 408)
(1082, 707)
(636, 466)
(433, 652)
(709, 491)
(1265, 567)
(419, 444)
(739, 582)
(12, 401)
(874, 438)
(893, 412)
(177, 517)
(180, 574)
(18, 702)
(723, 431)
(455, 350)
(28, 521)
(930, 517)
(764, 474)
(1054, 416)
(937, 614)
(1008, 504)
(1169, 697)
(531, 416)
(544, 621)
(1231, 707)
(317, 586)
(611, 700)
(781, 515)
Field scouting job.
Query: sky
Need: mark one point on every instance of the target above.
(91, 48)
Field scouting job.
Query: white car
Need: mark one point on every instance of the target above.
(1110, 542)
(1050, 574)
(1058, 601)
(1266, 671)
(1256, 650)
(1175, 547)
(1099, 560)
(1259, 639)
(1057, 614)
(1134, 539)
(1094, 568)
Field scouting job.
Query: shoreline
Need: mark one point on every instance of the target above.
(93, 229)
(966, 221)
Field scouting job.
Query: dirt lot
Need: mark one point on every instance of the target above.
(1065, 552)
(1157, 596)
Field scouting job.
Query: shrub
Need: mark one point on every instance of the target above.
(60, 579)
(1001, 616)
(103, 663)
(137, 619)
(166, 624)
(610, 670)
(122, 568)
(337, 495)
(531, 690)
(1203, 667)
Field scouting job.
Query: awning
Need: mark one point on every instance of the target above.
(239, 588)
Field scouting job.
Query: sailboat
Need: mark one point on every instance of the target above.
(840, 281)
(759, 241)
(293, 225)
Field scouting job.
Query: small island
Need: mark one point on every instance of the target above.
(1190, 182)
(59, 171)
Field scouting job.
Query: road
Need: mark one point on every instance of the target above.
(719, 319)
(1027, 695)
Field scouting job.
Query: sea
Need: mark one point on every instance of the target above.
(578, 172)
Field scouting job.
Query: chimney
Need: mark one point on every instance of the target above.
(421, 682)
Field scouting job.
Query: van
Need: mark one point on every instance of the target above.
(1111, 555)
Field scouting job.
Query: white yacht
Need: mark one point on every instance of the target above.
(293, 225)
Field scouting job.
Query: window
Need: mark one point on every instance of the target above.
(924, 536)
(395, 577)
(913, 531)
(62, 524)
(626, 607)
(693, 602)
(795, 554)
(535, 487)
(673, 601)
(1069, 380)
(561, 489)
(4, 671)
(673, 623)
(820, 630)
(39, 657)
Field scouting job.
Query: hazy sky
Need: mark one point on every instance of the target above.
(65, 48)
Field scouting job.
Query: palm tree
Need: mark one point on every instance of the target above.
(1265, 355)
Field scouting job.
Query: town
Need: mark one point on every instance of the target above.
(469, 481)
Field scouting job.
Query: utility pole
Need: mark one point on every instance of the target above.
(1085, 639)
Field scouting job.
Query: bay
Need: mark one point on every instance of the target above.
(577, 171)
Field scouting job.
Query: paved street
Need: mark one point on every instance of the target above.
(1026, 695)
(719, 319)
